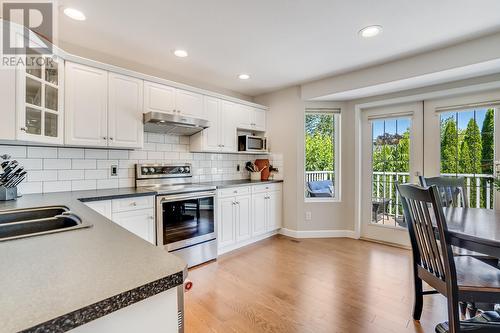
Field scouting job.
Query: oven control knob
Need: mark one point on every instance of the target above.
(181, 169)
(187, 170)
(151, 169)
(144, 170)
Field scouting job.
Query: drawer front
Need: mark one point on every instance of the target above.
(232, 191)
(134, 203)
(266, 187)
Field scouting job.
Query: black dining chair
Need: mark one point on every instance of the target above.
(458, 278)
(452, 190)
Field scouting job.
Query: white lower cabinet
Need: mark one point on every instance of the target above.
(245, 218)
(139, 222)
(226, 235)
(136, 214)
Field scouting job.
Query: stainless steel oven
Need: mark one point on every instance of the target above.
(185, 212)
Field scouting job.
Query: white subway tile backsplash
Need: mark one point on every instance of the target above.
(30, 187)
(155, 138)
(56, 164)
(96, 174)
(171, 139)
(138, 155)
(70, 174)
(82, 185)
(31, 164)
(118, 154)
(64, 169)
(107, 183)
(14, 151)
(42, 152)
(56, 186)
(42, 175)
(106, 164)
(98, 154)
(155, 155)
(85, 164)
(171, 155)
(163, 147)
(70, 153)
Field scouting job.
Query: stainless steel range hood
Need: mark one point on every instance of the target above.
(160, 122)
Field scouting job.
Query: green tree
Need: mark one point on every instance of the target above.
(472, 157)
(449, 146)
(319, 153)
(487, 138)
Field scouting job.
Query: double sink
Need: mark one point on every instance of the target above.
(21, 223)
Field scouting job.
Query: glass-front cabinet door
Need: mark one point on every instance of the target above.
(40, 99)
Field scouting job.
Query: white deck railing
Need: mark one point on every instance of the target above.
(312, 176)
(475, 184)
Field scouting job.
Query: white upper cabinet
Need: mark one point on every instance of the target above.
(221, 135)
(229, 119)
(211, 135)
(86, 100)
(162, 98)
(189, 103)
(250, 118)
(158, 98)
(103, 109)
(125, 111)
(259, 119)
(39, 98)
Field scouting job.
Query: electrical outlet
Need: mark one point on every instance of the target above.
(114, 170)
(308, 216)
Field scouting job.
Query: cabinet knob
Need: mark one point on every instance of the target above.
(104, 137)
(111, 138)
(23, 129)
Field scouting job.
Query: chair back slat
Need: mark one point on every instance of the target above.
(428, 231)
(451, 190)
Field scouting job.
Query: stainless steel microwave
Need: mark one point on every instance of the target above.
(252, 143)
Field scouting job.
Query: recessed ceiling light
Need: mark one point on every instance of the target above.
(75, 14)
(370, 31)
(181, 53)
(243, 76)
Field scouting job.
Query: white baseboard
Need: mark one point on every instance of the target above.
(318, 233)
(246, 242)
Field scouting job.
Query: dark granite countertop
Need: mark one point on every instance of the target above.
(55, 282)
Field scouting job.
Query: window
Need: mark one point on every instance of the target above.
(467, 150)
(321, 154)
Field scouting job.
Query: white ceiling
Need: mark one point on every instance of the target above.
(279, 42)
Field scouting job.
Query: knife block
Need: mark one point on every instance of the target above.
(8, 193)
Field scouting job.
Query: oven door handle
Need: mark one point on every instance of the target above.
(178, 197)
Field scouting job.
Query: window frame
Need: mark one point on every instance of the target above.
(337, 147)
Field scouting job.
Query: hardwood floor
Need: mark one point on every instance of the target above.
(309, 285)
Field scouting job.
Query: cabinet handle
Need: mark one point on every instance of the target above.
(234, 203)
(23, 129)
(111, 139)
(237, 202)
(105, 138)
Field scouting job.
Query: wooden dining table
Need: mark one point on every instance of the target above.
(475, 229)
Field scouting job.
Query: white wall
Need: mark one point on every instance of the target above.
(283, 126)
(286, 132)
(52, 169)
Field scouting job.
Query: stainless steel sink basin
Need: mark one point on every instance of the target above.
(20, 223)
